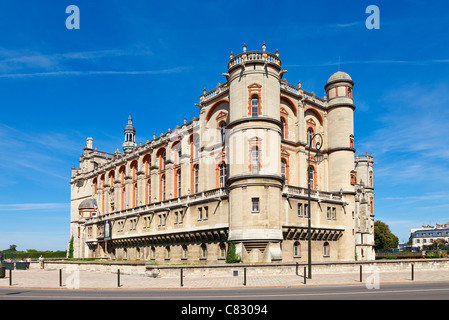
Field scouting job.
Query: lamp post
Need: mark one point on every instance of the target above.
(318, 158)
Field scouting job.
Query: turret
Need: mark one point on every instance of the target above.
(130, 137)
(340, 131)
(255, 181)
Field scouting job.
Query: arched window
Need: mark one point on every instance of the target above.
(254, 106)
(223, 175)
(326, 250)
(203, 251)
(167, 252)
(255, 161)
(296, 249)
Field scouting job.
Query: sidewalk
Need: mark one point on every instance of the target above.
(50, 279)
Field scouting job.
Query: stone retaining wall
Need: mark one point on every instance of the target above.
(173, 271)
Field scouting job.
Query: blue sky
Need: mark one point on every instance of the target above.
(152, 60)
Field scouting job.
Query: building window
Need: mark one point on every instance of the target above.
(195, 178)
(222, 251)
(255, 205)
(223, 175)
(149, 191)
(200, 214)
(296, 249)
(311, 175)
(300, 211)
(223, 131)
(163, 187)
(184, 252)
(135, 193)
(255, 161)
(282, 128)
(203, 251)
(167, 252)
(178, 183)
(162, 160)
(254, 106)
(284, 170)
(309, 137)
(326, 251)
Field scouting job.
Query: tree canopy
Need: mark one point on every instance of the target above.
(383, 237)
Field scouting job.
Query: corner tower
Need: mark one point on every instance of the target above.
(255, 181)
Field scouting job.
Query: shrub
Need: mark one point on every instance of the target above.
(232, 257)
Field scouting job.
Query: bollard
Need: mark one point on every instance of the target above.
(10, 277)
(361, 274)
(60, 277)
(305, 277)
(182, 276)
(244, 276)
(413, 272)
(118, 278)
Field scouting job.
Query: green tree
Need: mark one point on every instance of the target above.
(70, 248)
(232, 257)
(383, 237)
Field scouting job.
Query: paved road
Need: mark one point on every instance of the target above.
(410, 291)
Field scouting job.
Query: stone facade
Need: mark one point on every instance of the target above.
(237, 173)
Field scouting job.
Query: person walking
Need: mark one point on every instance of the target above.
(28, 261)
(41, 262)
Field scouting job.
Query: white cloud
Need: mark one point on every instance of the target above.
(33, 206)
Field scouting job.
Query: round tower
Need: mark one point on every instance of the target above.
(255, 181)
(340, 131)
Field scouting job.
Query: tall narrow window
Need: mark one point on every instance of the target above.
(223, 131)
(255, 205)
(223, 175)
(195, 178)
(135, 193)
(178, 183)
(282, 128)
(254, 106)
(326, 251)
(163, 187)
(311, 176)
(284, 169)
(149, 191)
(255, 161)
(309, 137)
